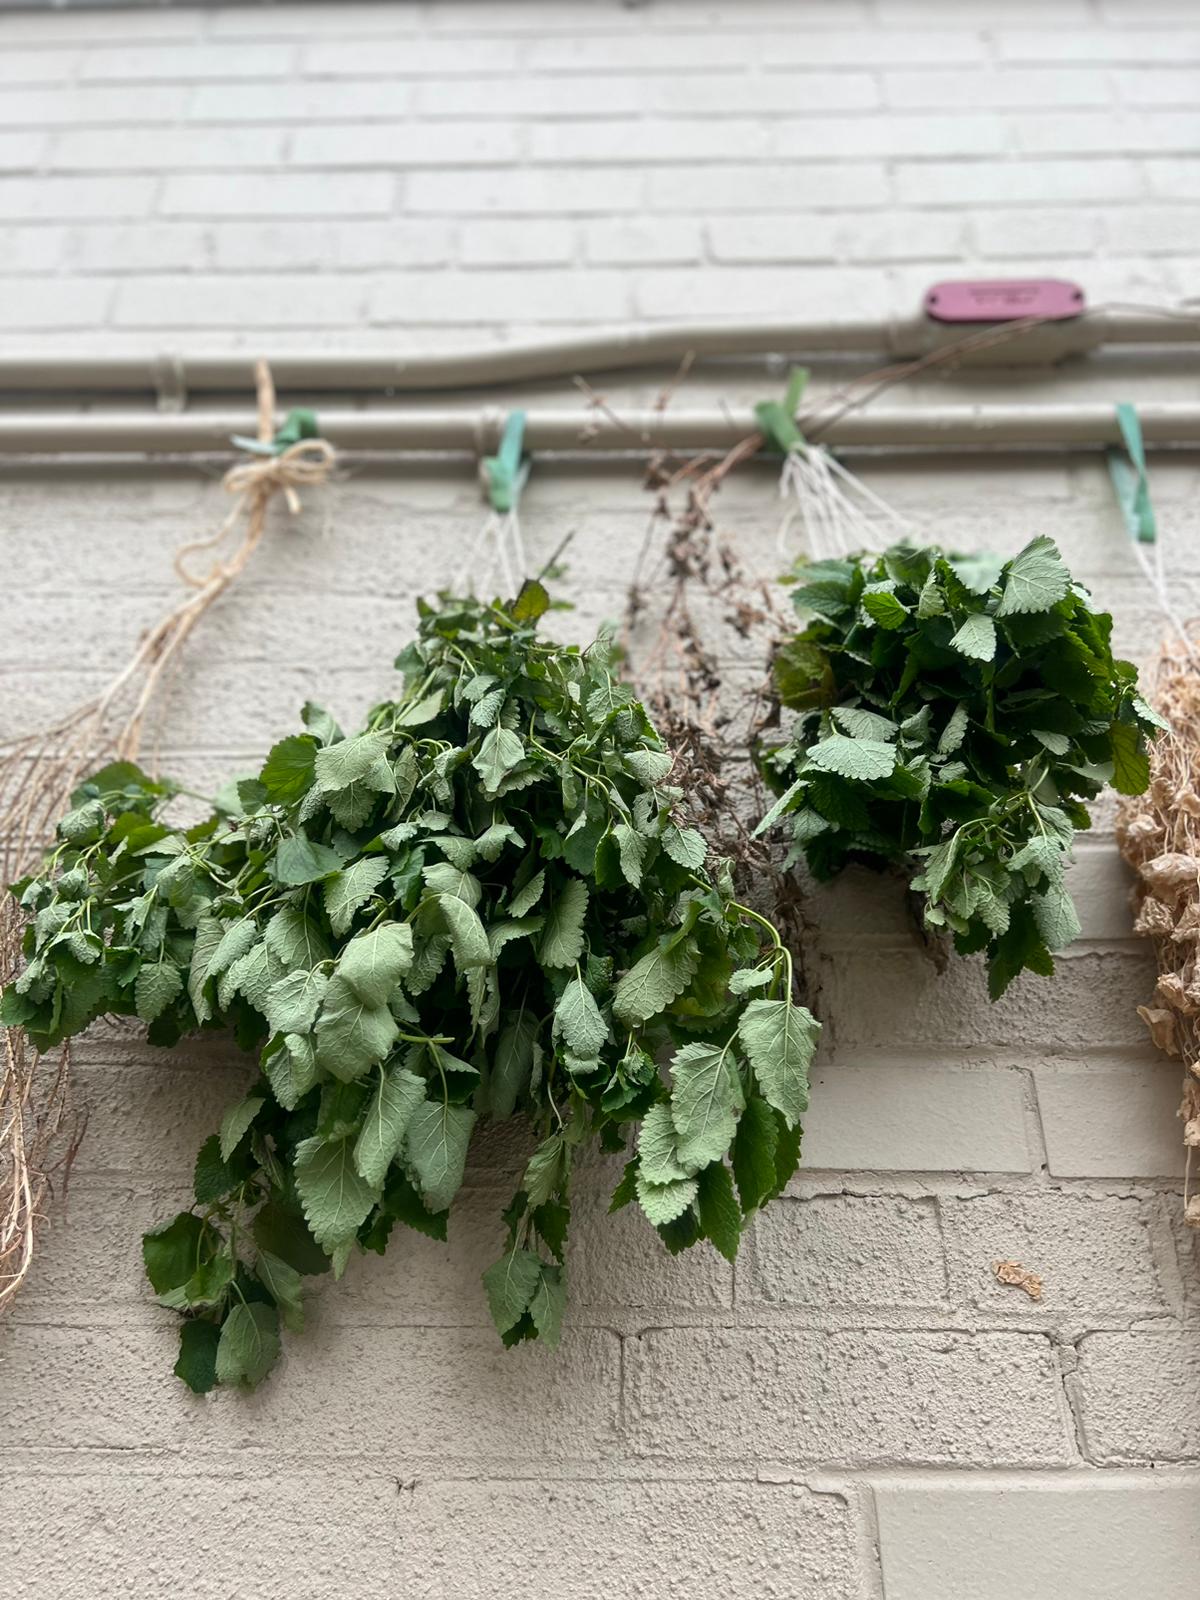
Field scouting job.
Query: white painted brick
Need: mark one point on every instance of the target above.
(523, 98)
(721, 94)
(352, 243)
(768, 187)
(618, 1262)
(861, 1398)
(821, 1253)
(315, 100)
(638, 142)
(1094, 1254)
(67, 199)
(186, 63)
(444, 297)
(448, 144)
(1174, 180)
(982, 183)
(350, 19)
(42, 26)
(873, 46)
(848, 236)
(1094, 1536)
(1092, 1001)
(22, 151)
(670, 52)
(484, 1541)
(1120, 47)
(883, 135)
(90, 107)
(294, 194)
(1085, 132)
(1025, 231)
(409, 58)
(909, 1118)
(460, 1394)
(36, 249)
(142, 247)
(1166, 229)
(1157, 86)
(224, 302)
(1008, 88)
(81, 1533)
(1138, 1396)
(633, 242)
(505, 244)
(42, 302)
(475, 191)
(167, 149)
(1102, 1121)
(824, 291)
(37, 66)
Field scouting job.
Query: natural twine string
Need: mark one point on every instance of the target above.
(40, 1126)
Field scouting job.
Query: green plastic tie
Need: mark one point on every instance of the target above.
(777, 419)
(297, 425)
(1129, 477)
(506, 473)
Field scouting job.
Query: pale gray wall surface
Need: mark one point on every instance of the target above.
(858, 1411)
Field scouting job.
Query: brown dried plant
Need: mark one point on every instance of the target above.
(40, 1124)
(1159, 835)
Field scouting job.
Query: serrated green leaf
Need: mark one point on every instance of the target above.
(754, 1148)
(351, 1036)
(499, 752)
(397, 1096)
(1131, 764)
(468, 940)
(863, 759)
(663, 1202)
(295, 939)
(658, 1148)
(292, 1002)
(283, 1284)
(780, 1038)
(436, 1142)
(720, 1216)
(236, 1123)
(289, 771)
(158, 984)
(300, 861)
(561, 943)
(351, 888)
(1036, 579)
(706, 1097)
(248, 1346)
(577, 1019)
(546, 1171)
(510, 1284)
(1056, 918)
(976, 638)
(685, 846)
(336, 1198)
(549, 1304)
(374, 962)
(197, 1362)
(652, 983)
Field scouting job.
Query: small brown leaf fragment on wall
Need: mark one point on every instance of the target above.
(1012, 1272)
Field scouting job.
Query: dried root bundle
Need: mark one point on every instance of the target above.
(40, 1127)
(1159, 835)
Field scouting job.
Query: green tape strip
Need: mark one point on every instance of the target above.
(1129, 478)
(506, 472)
(777, 419)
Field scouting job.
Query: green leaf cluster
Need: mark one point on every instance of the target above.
(484, 903)
(955, 713)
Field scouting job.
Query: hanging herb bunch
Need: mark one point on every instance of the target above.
(955, 713)
(483, 903)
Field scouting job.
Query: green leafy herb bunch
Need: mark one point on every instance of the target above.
(955, 713)
(486, 902)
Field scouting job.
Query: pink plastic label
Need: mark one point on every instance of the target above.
(1003, 299)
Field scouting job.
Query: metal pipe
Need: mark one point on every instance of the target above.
(606, 350)
(582, 431)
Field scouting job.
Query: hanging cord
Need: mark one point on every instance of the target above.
(40, 1127)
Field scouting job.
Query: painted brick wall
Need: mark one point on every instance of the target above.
(858, 1411)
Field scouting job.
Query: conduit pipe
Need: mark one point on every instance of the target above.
(607, 350)
(586, 431)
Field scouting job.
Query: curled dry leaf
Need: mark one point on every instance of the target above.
(1162, 1028)
(1012, 1272)
(1191, 1132)
(1170, 992)
(1154, 919)
(1172, 874)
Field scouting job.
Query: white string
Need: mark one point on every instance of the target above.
(500, 536)
(834, 507)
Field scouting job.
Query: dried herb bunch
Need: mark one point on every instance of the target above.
(955, 713)
(1159, 835)
(483, 903)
